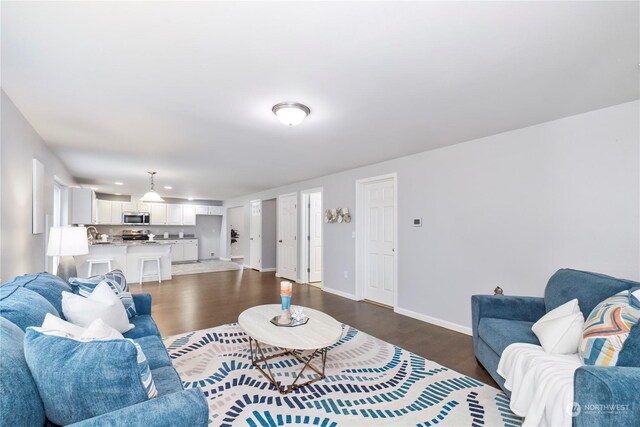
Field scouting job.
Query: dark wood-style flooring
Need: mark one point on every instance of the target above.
(200, 301)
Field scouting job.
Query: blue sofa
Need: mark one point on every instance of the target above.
(24, 302)
(502, 320)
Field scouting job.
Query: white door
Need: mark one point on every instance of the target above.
(315, 237)
(287, 254)
(379, 239)
(255, 235)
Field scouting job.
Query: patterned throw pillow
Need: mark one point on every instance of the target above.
(145, 372)
(115, 280)
(607, 328)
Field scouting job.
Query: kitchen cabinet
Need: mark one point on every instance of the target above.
(129, 207)
(143, 207)
(83, 206)
(202, 210)
(184, 250)
(215, 210)
(104, 212)
(158, 214)
(188, 215)
(174, 214)
(116, 213)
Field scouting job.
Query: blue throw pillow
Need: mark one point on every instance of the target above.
(45, 284)
(23, 307)
(79, 380)
(84, 287)
(20, 403)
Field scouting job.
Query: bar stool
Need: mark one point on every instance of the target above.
(93, 262)
(158, 274)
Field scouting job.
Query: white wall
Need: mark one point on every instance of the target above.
(21, 251)
(509, 209)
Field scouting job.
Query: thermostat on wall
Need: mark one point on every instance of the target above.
(417, 222)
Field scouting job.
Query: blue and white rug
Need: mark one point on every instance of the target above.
(369, 382)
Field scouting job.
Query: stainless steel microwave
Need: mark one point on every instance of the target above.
(136, 218)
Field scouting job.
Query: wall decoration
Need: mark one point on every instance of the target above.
(339, 215)
(37, 208)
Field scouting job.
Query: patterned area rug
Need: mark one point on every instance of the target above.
(369, 382)
(206, 266)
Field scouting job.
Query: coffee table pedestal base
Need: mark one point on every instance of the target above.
(258, 358)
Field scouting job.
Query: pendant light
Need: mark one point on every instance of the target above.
(151, 196)
(291, 113)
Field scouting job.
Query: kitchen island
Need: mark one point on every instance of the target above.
(126, 257)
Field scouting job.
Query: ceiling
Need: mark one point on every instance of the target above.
(186, 89)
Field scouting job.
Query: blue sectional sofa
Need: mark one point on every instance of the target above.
(499, 321)
(24, 302)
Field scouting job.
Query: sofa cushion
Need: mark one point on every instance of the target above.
(590, 289)
(167, 380)
(500, 333)
(46, 285)
(155, 351)
(144, 327)
(20, 403)
(607, 329)
(80, 380)
(23, 307)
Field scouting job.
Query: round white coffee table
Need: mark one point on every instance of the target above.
(320, 332)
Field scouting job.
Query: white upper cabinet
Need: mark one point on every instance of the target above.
(129, 207)
(116, 213)
(104, 212)
(158, 214)
(202, 210)
(215, 210)
(144, 207)
(174, 215)
(188, 215)
(83, 206)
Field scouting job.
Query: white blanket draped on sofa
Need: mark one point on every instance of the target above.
(541, 384)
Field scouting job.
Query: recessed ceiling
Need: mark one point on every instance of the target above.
(186, 88)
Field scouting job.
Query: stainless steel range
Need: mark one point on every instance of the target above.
(135, 234)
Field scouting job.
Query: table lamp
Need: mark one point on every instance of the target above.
(66, 242)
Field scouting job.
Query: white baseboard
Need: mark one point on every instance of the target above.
(340, 293)
(225, 259)
(237, 257)
(266, 270)
(434, 321)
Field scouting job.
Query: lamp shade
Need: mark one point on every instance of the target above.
(67, 241)
(151, 197)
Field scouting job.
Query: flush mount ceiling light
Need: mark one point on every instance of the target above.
(291, 113)
(151, 196)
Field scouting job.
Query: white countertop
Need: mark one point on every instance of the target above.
(130, 243)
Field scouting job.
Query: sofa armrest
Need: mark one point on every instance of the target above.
(184, 408)
(142, 303)
(529, 309)
(606, 396)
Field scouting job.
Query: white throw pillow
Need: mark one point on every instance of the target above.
(559, 331)
(103, 304)
(98, 330)
(55, 323)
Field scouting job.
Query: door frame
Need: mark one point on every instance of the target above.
(280, 196)
(252, 263)
(304, 231)
(361, 232)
